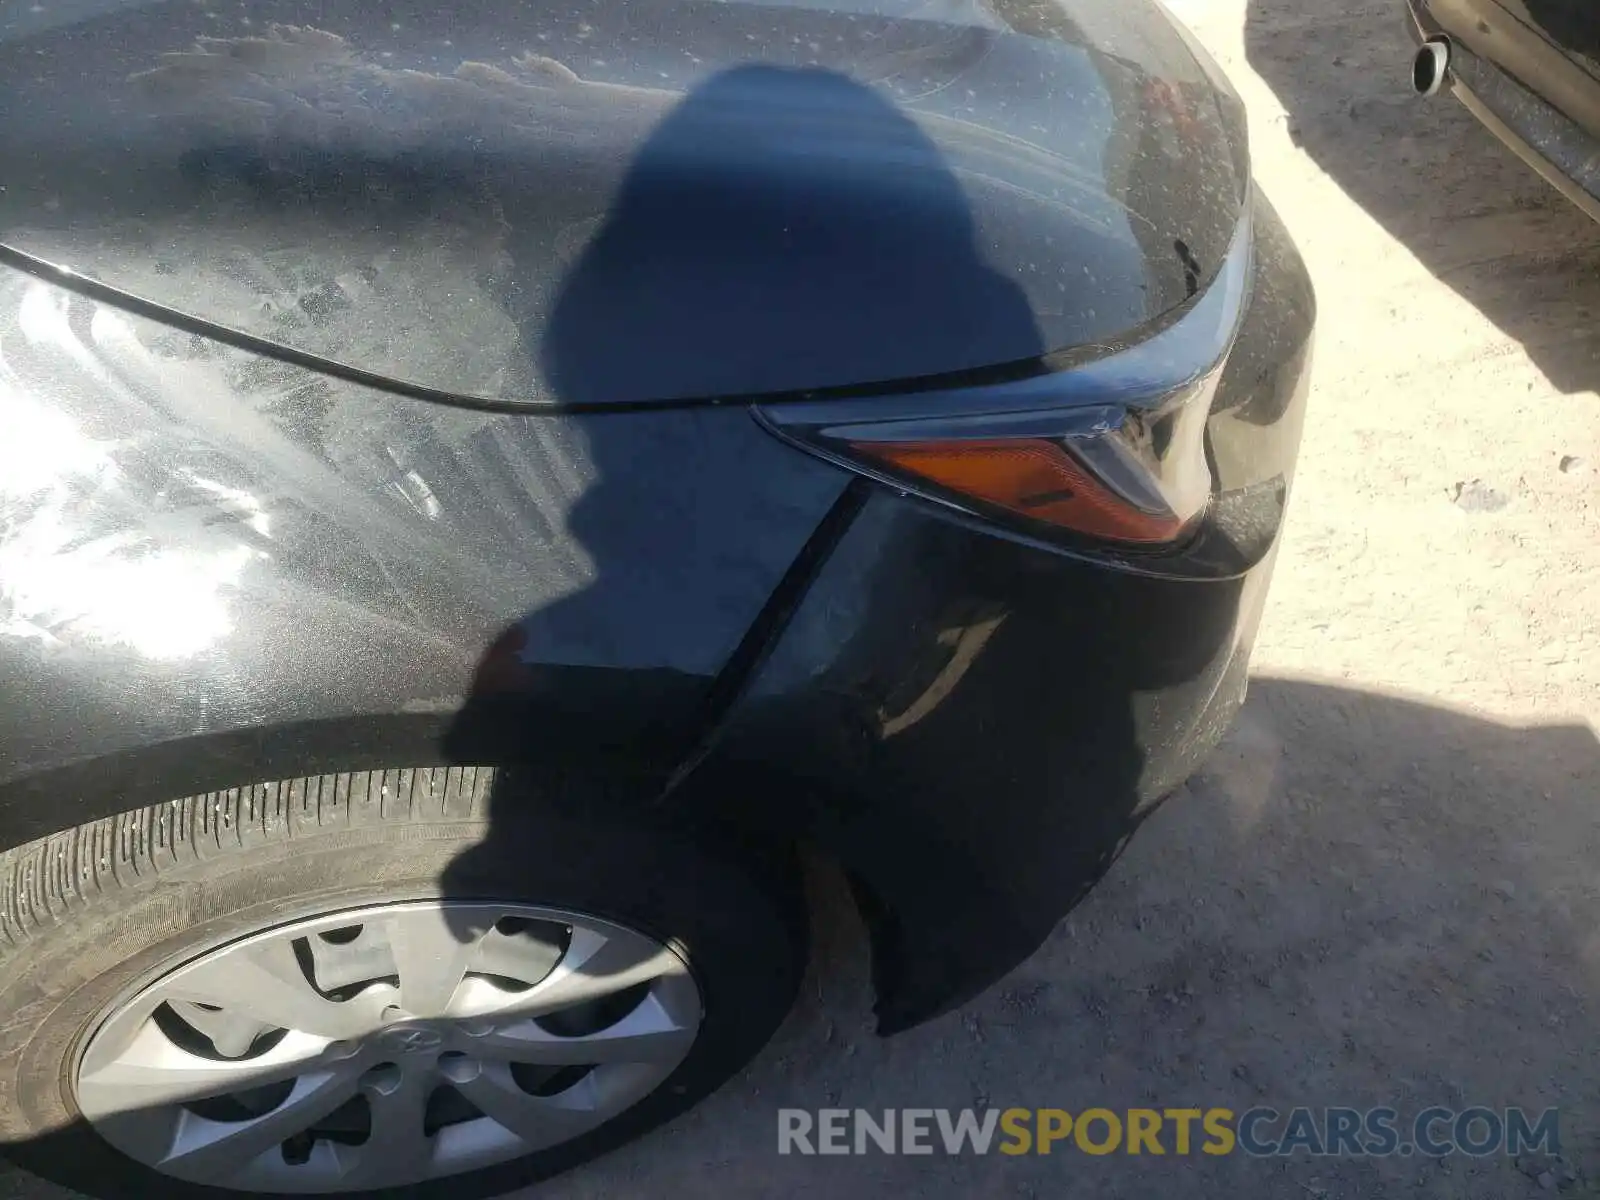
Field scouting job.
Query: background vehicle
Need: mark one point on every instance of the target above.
(480, 488)
(1530, 71)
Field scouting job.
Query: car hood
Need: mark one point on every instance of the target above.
(631, 202)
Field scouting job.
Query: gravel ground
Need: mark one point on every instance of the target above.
(1382, 889)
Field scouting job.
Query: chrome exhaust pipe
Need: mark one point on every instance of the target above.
(1430, 66)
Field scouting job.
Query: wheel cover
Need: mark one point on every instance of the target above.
(385, 1046)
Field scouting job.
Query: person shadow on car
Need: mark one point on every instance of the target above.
(691, 281)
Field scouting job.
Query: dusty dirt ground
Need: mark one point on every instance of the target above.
(1385, 889)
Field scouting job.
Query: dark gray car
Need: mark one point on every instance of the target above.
(483, 484)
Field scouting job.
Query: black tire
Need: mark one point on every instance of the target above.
(89, 913)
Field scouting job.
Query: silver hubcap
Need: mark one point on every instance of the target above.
(384, 1046)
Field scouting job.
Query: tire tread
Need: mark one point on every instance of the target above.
(44, 880)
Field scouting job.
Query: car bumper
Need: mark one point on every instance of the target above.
(974, 725)
(1557, 130)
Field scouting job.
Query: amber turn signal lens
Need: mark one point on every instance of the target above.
(1030, 476)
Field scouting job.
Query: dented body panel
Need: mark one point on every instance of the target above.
(375, 391)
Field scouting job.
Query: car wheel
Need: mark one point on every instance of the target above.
(359, 984)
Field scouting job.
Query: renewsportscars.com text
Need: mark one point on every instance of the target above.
(1258, 1132)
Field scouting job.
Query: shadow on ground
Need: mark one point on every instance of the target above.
(1360, 900)
(1478, 218)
